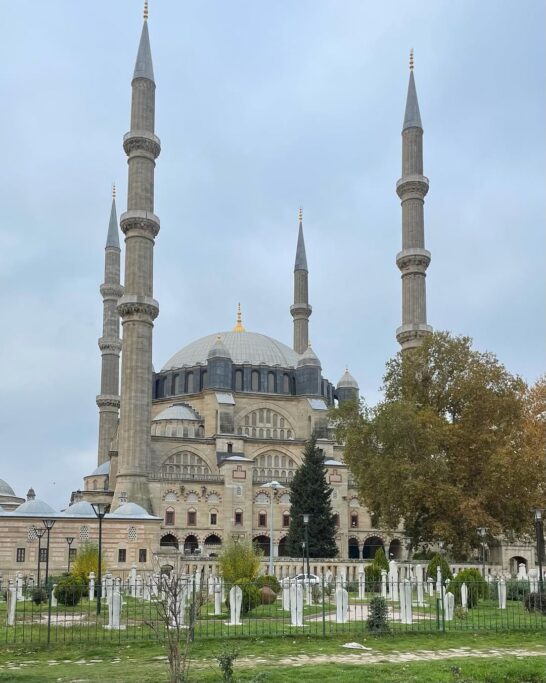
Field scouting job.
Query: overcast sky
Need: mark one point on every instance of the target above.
(262, 107)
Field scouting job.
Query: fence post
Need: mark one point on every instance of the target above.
(192, 611)
(323, 609)
(49, 597)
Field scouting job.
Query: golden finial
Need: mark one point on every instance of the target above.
(300, 215)
(239, 327)
(113, 190)
(411, 59)
(145, 10)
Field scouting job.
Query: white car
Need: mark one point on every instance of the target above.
(313, 579)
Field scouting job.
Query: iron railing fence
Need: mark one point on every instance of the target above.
(142, 608)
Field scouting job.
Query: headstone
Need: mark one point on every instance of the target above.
(286, 596)
(108, 587)
(406, 609)
(156, 578)
(522, 572)
(91, 595)
(235, 602)
(308, 593)
(178, 602)
(296, 604)
(533, 580)
(502, 594)
(449, 606)
(19, 586)
(12, 603)
(343, 578)
(438, 581)
(138, 587)
(420, 586)
(393, 580)
(53, 596)
(328, 576)
(132, 581)
(430, 582)
(211, 583)
(464, 596)
(114, 610)
(342, 605)
(146, 588)
(384, 583)
(361, 582)
(217, 598)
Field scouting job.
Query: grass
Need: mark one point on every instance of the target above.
(140, 662)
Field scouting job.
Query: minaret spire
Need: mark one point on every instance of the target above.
(110, 343)
(137, 307)
(301, 310)
(414, 259)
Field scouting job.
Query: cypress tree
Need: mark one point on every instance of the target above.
(310, 493)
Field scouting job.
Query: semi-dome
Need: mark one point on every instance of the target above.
(218, 349)
(101, 469)
(35, 508)
(5, 489)
(243, 347)
(309, 357)
(178, 411)
(132, 510)
(80, 509)
(347, 380)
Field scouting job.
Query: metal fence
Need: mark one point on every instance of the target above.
(132, 610)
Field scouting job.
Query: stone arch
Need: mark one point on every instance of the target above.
(353, 549)
(395, 549)
(371, 546)
(212, 539)
(169, 541)
(274, 464)
(262, 541)
(514, 563)
(191, 544)
(283, 547)
(184, 464)
(270, 417)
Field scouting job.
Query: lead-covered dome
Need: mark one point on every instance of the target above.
(5, 489)
(243, 347)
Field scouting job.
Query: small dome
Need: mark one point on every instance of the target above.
(178, 411)
(80, 509)
(35, 508)
(347, 381)
(131, 510)
(5, 489)
(218, 349)
(101, 469)
(309, 357)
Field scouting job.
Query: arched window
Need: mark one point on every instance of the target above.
(192, 497)
(354, 520)
(189, 383)
(286, 384)
(262, 498)
(169, 517)
(285, 499)
(94, 484)
(271, 383)
(255, 381)
(170, 497)
(203, 380)
(184, 465)
(238, 380)
(336, 519)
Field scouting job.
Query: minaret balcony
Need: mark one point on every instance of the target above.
(412, 187)
(413, 260)
(141, 142)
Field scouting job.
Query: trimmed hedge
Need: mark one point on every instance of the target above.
(251, 595)
(439, 561)
(70, 590)
(475, 583)
(378, 612)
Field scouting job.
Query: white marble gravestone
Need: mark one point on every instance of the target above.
(449, 606)
(19, 586)
(393, 580)
(533, 580)
(217, 598)
(406, 608)
(132, 581)
(502, 594)
(296, 604)
(114, 610)
(464, 596)
(286, 596)
(430, 582)
(420, 586)
(522, 572)
(384, 583)
(235, 604)
(361, 582)
(53, 596)
(12, 603)
(438, 581)
(342, 605)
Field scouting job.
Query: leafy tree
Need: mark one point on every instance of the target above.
(454, 445)
(476, 586)
(87, 561)
(239, 559)
(380, 560)
(439, 561)
(310, 493)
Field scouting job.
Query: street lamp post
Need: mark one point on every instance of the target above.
(482, 533)
(306, 529)
(539, 531)
(274, 486)
(69, 540)
(303, 556)
(100, 510)
(49, 524)
(39, 533)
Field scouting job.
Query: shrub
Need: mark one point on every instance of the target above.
(70, 590)
(475, 583)
(352, 586)
(439, 561)
(270, 581)
(517, 590)
(238, 560)
(380, 560)
(372, 576)
(87, 561)
(251, 596)
(535, 602)
(39, 596)
(377, 615)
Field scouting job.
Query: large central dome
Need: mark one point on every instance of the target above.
(244, 347)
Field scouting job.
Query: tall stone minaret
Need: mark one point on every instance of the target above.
(301, 310)
(137, 307)
(413, 260)
(110, 343)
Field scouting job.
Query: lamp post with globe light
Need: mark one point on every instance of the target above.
(39, 533)
(49, 524)
(482, 533)
(274, 486)
(69, 540)
(539, 531)
(100, 510)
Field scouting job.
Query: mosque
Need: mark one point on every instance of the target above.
(185, 454)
